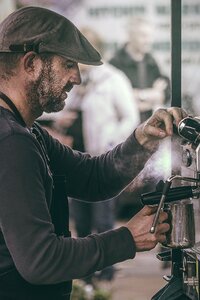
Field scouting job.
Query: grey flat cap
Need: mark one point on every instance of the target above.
(44, 31)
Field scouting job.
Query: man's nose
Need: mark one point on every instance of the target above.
(76, 76)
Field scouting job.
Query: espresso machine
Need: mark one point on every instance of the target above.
(182, 203)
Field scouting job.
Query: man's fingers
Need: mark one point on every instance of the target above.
(162, 217)
(166, 117)
(162, 238)
(178, 114)
(154, 131)
(149, 210)
(160, 124)
(162, 228)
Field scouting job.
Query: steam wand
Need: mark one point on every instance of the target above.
(164, 195)
(161, 203)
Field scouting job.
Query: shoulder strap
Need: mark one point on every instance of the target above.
(59, 207)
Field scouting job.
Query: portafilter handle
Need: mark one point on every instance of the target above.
(174, 194)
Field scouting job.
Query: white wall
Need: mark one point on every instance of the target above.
(6, 7)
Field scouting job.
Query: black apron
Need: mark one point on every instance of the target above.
(12, 285)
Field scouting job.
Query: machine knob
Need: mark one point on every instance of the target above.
(186, 158)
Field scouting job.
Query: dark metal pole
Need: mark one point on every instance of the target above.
(176, 101)
(176, 77)
(176, 53)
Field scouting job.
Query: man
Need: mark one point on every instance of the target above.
(150, 86)
(40, 52)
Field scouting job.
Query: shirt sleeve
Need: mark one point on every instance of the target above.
(39, 255)
(101, 177)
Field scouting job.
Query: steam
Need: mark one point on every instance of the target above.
(158, 167)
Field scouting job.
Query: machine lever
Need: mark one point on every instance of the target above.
(164, 256)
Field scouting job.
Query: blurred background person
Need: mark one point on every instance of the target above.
(100, 113)
(150, 87)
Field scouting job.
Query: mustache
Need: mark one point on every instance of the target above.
(68, 87)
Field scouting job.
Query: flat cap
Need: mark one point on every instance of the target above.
(45, 31)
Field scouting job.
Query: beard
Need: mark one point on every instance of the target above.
(45, 94)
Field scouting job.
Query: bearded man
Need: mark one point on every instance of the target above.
(39, 55)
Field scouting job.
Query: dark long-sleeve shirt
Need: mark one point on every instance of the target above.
(27, 235)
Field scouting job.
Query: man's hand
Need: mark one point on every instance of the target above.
(140, 225)
(158, 126)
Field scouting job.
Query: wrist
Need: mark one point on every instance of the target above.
(140, 137)
(144, 140)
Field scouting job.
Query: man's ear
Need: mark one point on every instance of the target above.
(31, 63)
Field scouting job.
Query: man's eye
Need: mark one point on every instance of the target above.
(70, 64)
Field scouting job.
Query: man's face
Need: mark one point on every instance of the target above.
(141, 39)
(49, 91)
